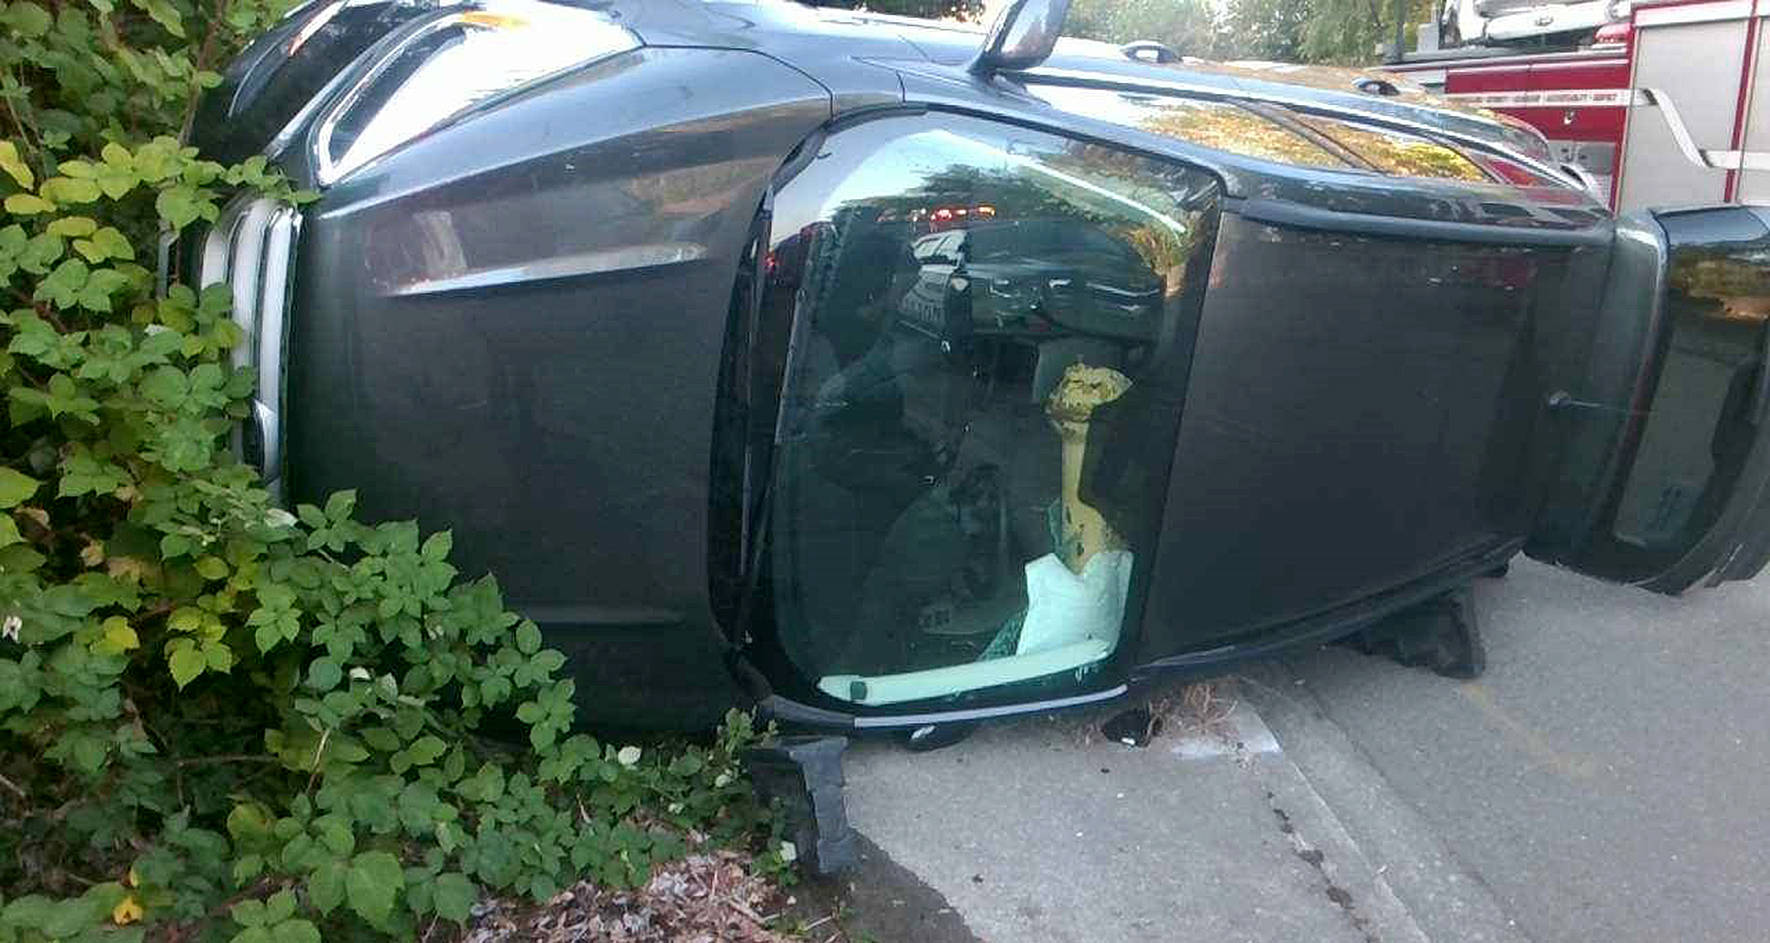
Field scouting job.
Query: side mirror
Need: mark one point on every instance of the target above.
(1022, 36)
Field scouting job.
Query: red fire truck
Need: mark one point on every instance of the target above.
(1669, 108)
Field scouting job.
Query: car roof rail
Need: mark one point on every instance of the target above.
(1148, 50)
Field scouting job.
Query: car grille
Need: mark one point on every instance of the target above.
(251, 248)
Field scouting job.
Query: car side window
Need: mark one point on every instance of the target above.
(1393, 152)
(1282, 135)
(968, 454)
(1218, 125)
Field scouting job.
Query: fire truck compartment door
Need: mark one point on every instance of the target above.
(1694, 67)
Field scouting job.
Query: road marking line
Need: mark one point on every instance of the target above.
(1533, 744)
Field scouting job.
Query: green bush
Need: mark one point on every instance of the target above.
(220, 720)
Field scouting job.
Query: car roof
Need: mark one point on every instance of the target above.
(870, 62)
(829, 42)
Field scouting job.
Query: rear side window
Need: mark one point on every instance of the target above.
(1396, 153)
(1298, 138)
(1218, 125)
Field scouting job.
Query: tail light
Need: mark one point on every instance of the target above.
(252, 249)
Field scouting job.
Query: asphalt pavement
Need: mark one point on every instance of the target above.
(1044, 831)
(1604, 780)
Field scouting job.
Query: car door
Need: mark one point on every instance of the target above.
(1664, 480)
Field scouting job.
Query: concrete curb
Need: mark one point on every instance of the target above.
(1319, 837)
(1445, 899)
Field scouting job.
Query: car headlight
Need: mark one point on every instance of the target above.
(459, 61)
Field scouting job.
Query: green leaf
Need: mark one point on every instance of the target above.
(68, 190)
(63, 286)
(72, 226)
(438, 545)
(325, 887)
(248, 913)
(248, 822)
(426, 750)
(112, 243)
(10, 161)
(9, 534)
(40, 252)
(295, 931)
(528, 638)
(28, 204)
(165, 14)
(340, 505)
(324, 674)
(116, 181)
(16, 487)
(179, 206)
(279, 907)
(119, 637)
(247, 867)
(27, 20)
(165, 387)
(187, 662)
(453, 896)
(372, 884)
(103, 283)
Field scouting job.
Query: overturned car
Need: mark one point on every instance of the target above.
(895, 375)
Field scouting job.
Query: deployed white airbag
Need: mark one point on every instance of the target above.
(1063, 608)
(1071, 622)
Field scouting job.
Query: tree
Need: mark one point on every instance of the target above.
(1349, 31)
(1337, 31)
(1188, 26)
(1265, 29)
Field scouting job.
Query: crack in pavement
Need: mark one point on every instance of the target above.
(1317, 859)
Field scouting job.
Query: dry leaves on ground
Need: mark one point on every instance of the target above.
(705, 898)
